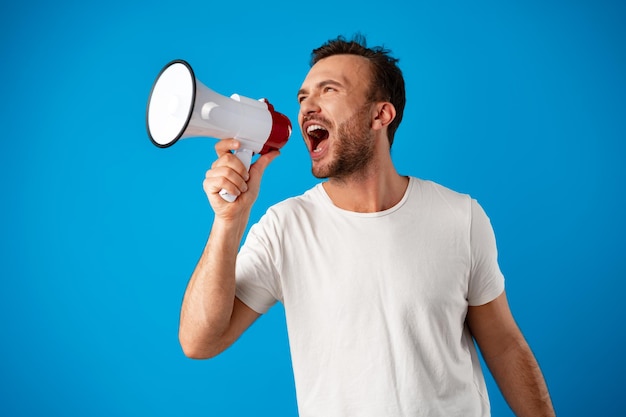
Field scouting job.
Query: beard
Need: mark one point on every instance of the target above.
(353, 147)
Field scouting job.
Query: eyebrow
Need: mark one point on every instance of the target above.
(321, 84)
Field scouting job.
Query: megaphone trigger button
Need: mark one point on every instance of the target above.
(206, 109)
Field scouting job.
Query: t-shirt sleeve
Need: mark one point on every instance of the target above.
(486, 280)
(258, 282)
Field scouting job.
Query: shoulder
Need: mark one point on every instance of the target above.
(307, 201)
(440, 196)
(293, 209)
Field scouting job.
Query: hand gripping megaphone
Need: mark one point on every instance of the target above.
(180, 107)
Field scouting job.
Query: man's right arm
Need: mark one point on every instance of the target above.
(211, 317)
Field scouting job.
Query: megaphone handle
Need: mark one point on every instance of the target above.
(245, 156)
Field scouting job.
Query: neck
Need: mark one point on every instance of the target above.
(378, 187)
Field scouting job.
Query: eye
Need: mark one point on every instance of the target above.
(301, 99)
(328, 89)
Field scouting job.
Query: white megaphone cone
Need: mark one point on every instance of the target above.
(180, 107)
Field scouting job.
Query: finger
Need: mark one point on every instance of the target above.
(213, 186)
(226, 178)
(226, 146)
(232, 162)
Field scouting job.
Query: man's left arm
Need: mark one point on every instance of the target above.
(509, 358)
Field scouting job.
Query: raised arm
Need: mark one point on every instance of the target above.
(211, 317)
(510, 359)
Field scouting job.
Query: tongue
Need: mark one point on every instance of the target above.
(318, 137)
(319, 145)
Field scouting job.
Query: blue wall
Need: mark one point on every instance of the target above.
(519, 103)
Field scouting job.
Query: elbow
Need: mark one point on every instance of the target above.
(198, 349)
(194, 353)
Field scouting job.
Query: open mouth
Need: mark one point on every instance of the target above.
(317, 134)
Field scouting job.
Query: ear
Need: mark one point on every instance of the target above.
(385, 112)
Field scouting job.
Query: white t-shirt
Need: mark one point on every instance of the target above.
(376, 302)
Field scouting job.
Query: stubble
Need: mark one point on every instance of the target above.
(353, 147)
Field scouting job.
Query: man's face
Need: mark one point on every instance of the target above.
(335, 115)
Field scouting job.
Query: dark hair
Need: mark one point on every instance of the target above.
(387, 80)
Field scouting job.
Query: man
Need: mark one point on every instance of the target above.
(386, 280)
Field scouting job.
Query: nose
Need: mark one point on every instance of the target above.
(309, 105)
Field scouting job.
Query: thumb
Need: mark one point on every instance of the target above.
(258, 168)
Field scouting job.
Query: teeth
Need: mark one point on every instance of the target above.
(314, 127)
(317, 137)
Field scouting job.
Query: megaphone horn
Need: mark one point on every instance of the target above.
(180, 106)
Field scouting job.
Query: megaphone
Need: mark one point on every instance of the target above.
(180, 106)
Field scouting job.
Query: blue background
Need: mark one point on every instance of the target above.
(519, 103)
